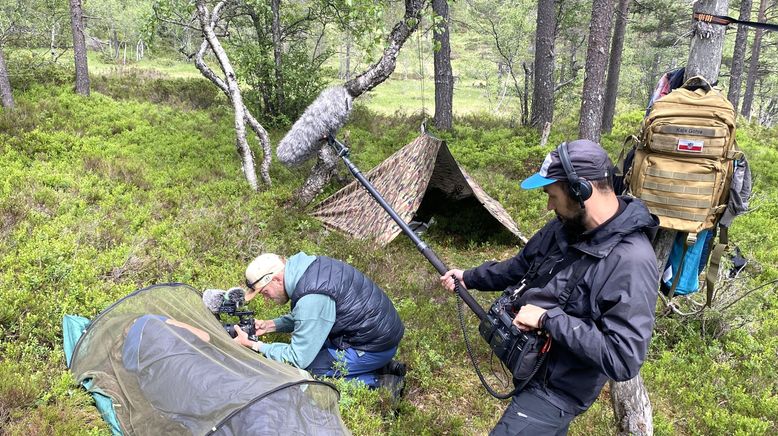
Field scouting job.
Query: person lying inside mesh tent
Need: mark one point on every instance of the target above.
(188, 383)
(342, 323)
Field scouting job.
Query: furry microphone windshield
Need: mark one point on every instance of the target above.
(235, 295)
(213, 299)
(326, 114)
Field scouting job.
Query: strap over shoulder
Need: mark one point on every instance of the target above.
(581, 266)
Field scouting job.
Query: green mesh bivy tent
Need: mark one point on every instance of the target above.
(151, 375)
(419, 180)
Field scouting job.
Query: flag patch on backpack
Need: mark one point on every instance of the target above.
(690, 145)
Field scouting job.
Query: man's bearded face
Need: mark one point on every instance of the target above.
(567, 210)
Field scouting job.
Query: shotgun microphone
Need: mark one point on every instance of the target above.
(326, 114)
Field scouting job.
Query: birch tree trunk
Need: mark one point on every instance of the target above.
(260, 131)
(79, 47)
(739, 56)
(614, 65)
(6, 95)
(543, 89)
(53, 41)
(753, 65)
(444, 79)
(207, 23)
(321, 173)
(596, 61)
(347, 66)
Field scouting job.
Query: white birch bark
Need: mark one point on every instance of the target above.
(207, 24)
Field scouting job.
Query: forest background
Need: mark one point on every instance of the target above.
(139, 183)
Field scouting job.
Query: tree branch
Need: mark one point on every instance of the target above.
(381, 70)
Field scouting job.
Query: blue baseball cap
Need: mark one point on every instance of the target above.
(589, 161)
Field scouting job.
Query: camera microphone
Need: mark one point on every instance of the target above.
(326, 114)
(213, 299)
(229, 303)
(235, 295)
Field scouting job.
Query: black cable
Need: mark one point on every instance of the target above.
(487, 386)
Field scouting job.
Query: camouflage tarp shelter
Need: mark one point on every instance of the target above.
(419, 180)
(151, 377)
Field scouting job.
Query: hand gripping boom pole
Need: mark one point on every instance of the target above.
(342, 152)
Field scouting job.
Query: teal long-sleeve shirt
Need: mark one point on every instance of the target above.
(310, 321)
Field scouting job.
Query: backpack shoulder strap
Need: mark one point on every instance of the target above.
(715, 260)
(678, 270)
(630, 141)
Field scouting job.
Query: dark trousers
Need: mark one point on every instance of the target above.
(531, 415)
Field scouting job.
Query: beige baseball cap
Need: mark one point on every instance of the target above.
(262, 269)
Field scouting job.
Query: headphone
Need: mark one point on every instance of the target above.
(580, 189)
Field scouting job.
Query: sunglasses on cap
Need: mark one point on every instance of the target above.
(262, 281)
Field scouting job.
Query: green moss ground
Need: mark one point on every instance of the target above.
(100, 196)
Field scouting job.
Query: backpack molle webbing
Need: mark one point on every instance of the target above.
(683, 167)
(684, 159)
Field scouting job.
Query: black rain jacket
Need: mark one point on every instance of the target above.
(604, 330)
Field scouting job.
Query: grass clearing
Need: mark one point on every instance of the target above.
(100, 196)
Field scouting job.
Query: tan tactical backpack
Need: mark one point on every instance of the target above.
(684, 157)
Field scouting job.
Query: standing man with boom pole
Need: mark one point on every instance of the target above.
(599, 293)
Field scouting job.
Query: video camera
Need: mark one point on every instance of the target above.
(231, 303)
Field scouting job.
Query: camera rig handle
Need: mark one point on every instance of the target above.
(343, 152)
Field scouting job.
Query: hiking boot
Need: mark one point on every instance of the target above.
(395, 384)
(394, 367)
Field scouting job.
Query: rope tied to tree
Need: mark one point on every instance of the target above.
(724, 20)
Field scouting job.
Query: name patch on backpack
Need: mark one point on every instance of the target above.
(690, 145)
(674, 129)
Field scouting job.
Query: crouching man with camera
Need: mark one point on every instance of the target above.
(588, 279)
(342, 324)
